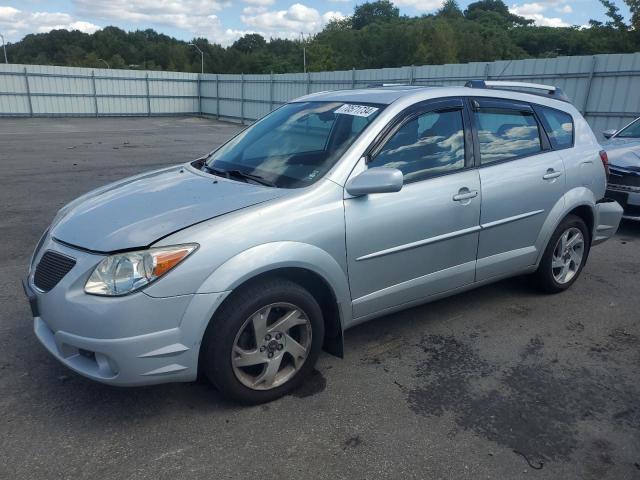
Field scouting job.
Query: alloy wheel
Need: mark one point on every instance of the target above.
(568, 255)
(271, 346)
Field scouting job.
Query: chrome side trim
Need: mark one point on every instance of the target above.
(447, 236)
(420, 243)
(510, 219)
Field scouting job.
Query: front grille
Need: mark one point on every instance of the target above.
(622, 199)
(619, 197)
(52, 267)
(623, 178)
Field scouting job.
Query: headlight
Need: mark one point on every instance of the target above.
(124, 273)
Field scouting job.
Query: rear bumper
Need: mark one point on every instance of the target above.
(608, 215)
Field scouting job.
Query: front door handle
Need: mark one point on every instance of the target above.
(465, 194)
(551, 174)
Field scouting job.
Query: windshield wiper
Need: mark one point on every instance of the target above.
(238, 174)
(251, 176)
(214, 171)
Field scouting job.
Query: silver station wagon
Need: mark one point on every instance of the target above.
(334, 209)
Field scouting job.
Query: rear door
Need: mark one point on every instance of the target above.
(408, 245)
(522, 179)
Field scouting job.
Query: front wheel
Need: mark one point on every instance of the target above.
(565, 255)
(264, 340)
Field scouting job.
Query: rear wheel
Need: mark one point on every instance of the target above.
(264, 340)
(565, 255)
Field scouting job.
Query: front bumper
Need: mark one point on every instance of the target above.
(628, 198)
(624, 187)
(148, 359)
(126, 341)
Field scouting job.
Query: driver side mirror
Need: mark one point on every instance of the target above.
(376, 180)
(609, 133)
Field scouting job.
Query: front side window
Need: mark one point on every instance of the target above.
(295, 145)
(559, 127)
(506, 133)
(632, 131)
(427, 145)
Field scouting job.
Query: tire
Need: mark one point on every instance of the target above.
(240, 364)
(550, 277)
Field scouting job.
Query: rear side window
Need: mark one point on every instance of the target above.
(506, 133)
(559, 127)
(430, 144)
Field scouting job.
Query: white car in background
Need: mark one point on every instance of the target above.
(623, 150)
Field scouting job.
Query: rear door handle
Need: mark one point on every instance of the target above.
(551, 174)
(465, 194)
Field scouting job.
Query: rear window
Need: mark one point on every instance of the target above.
(506, 134)
(559, 127)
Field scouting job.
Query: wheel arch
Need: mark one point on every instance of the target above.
(577, 201)
(586, 213)
(311, 267)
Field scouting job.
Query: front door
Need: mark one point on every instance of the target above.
(422, 240)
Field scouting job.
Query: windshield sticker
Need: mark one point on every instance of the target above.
(356, 110)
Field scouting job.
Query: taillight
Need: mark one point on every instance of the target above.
(605, 162)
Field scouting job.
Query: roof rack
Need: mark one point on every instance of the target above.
(381, 84)
(524, 87)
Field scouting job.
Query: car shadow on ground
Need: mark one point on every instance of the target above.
(76, 395)
(629, 228)
(495, 359)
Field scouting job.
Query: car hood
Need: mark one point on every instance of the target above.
(623, 152)
(135, 212)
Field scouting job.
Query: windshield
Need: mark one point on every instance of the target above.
(632, 131)
(295, 145)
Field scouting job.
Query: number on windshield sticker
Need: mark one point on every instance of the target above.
(356, 110)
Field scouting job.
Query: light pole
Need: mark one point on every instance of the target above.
(201, 57)
(4, 48)
(304, 54)
(105, 62)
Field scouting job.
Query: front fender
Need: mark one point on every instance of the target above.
(576, 197)
(271, 256)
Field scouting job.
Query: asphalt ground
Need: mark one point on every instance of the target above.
(499, 383)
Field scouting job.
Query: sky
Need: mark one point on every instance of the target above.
(223, 21)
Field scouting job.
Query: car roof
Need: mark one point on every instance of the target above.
(382, 95)
(387, 95)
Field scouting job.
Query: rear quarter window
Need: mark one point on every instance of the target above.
(559, 127)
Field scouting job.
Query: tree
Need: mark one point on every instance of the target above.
(450, 9)
(634, 8)
(495, 10)
(371, 12)
(613, 12)
(375, 36)
(250, 43)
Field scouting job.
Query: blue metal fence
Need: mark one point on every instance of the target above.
(606, 88)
